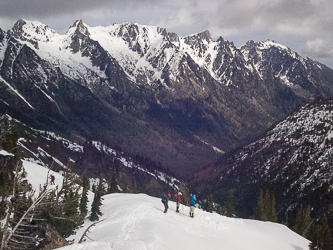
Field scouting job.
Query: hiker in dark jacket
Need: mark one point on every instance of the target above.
(165, 201)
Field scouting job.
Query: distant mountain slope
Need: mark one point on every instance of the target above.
(131, 173)
(177, 100)
(293, 160)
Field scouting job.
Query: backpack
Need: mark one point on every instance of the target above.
(192, 200)
(164, 199)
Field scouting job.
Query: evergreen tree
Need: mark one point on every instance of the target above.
(267, 205)
(51, 208)
(229, 206)
(84, 196)
(314, 234)
(271, 212)
(260, 209)
(22, 194)
(113, 185)
(210, 204)
(303, 220)
(70, 202)
(97, 202)
(265, 210)
(8, 141)
(8, 134)
(320, 236)
(286, 221)
(6, 183)
(62, 207)
(326, 236)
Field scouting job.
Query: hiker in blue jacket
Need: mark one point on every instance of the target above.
(165, 200)
(192, 205)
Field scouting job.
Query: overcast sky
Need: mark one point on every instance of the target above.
(306, 26)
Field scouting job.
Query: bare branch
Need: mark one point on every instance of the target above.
(87, 230)
(40, 219)
(22, 243)
(26, 237)
(62, 218)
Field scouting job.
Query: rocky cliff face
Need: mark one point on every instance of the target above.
(178, 100)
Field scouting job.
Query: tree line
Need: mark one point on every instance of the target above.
(317, 231)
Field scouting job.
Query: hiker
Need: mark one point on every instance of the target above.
(192, 206)
(52, 179)
(165, 200)
(179, 200)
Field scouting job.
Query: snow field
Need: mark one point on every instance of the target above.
(137, 221)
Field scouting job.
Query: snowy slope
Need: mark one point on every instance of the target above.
(137, 221)
(37, 175)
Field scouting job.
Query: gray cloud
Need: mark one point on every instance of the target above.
(305, 25)
(45, 8)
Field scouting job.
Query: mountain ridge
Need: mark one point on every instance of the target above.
(130, 83)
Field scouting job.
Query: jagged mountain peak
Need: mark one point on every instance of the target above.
(271, 43)
(77, 23)
(127, 38)
(263, 45)
(132, 26)
(220, 39)
(198, 37)
(32, 30)
(79, 27)
(18, 25)
(226, 44)
(134, 31)
(173, 37)
(2, 35)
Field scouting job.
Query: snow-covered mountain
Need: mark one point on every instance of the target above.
(293, 159)
(178, 100)
(137, 221)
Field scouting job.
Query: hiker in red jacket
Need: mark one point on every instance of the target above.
(52, 179)
(179, 200)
